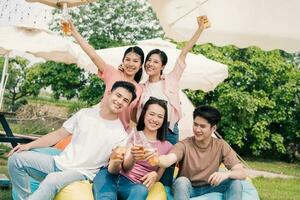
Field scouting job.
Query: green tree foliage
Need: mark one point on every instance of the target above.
(106, 23)
(93, 91)
(20, 83)
(111, 23)
(64, 80)
(259, 100)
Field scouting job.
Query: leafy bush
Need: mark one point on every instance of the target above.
(93, 91)
(259, 100)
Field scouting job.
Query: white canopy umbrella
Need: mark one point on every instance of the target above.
(268, 24)
(23, 14)
(46, 45)
(58, 3)
(201, 72)
(40, 43)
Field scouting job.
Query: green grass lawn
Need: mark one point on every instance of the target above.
(292, 169)
(277, 189)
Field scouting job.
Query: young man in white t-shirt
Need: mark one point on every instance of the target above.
(95, 131)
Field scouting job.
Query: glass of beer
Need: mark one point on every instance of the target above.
(138, 141)
(120, 149)
(66, 28)
(153, 160)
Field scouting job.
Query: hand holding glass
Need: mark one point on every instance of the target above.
(120, 150)
(203, 21)
(151, 154)
(138, 144)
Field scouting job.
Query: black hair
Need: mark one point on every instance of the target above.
(140, 52)
(163, 56)
(161, 132)
(211, 114)
(126, 85)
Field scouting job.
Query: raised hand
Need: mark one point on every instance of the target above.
(121, 68)
(72, 27)
(203, 22)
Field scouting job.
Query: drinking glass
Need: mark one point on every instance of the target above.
(150, 148)
(120, 148)
(66, 28)
(139, 141)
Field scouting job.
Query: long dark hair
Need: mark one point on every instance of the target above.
(161, 132)
(140, 52)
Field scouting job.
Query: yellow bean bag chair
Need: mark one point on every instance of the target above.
(82, 190)
(157, 192)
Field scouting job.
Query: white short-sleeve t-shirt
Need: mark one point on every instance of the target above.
(156, 90)
(92, 142)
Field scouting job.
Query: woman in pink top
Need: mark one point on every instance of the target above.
(168, 88)
(132, 62)
(133, 177)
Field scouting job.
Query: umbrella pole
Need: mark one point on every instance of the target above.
(3, 79)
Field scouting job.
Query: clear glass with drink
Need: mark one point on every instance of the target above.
(153, 160)
(139, 141)
(66, 28)
(151, 154)
(120, 149)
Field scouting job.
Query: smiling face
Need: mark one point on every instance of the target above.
(153, 65)
(118, 100)
(202, 129)
(154, 117)
(131, 63)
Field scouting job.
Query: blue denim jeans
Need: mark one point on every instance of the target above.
(172, 137)
(109, 186)
(42, 168)
(183, 189)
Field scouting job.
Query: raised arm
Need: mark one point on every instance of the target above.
(45, 141)
(203, 23)
(88, 49)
